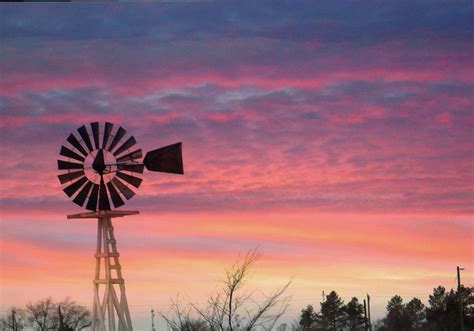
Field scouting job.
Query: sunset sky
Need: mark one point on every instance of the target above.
(337, 137)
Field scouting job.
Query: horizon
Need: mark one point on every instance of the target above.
(335, 137)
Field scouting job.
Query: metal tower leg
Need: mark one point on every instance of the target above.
(108, 280)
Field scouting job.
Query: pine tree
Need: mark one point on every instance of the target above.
(308, 317)
(415, 312)
(355, 314)
(396, 318)
(333, 312)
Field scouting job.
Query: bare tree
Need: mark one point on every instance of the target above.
(183, 320)
(232, 308)
(44, 315)
(75, 316)
(14, 320)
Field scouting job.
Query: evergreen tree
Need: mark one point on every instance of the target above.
(396, 318)
(308, 317)
(415, 313)
(355, 314)
(468, 304)
(444, 312)
(333, 312)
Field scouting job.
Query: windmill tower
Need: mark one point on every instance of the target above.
(99, 169)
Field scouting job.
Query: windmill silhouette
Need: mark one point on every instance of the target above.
(100, 169)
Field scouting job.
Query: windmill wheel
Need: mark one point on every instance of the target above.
(100, 164)
(103, 166)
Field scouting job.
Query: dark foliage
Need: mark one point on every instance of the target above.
(397, 316)
(308, 318)
(446, 308)
(334, 315)
(443, 313)
(332, 312)
(354, 315)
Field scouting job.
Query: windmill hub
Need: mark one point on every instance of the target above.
(108, 170)
(99, 162)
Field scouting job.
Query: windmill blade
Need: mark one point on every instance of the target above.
(85, 137)
(127, 193)
(131, 167)
(82, 195)
(64, 178)
(132, 180)
(68, 153)
(166, 159)
(126, 145)
(130, 156)
(116, 199)
(107, 132)
(120, 133)
(95, 133)
(71, 189)
(77, 145)
(65, 165)
(103, 198)
(92, 203)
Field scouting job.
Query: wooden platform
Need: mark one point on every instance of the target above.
(103, 214)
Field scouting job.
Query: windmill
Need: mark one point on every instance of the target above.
(100, 169)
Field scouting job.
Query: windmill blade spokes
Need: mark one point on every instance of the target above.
(132, 180)
(103, 198)
(92, 203)
(120, 133)
(67, 177)
(95, 133)
(116, 199)
(82, 195)
(131, 167)
(71, 189)
(70, 154)
(126, 145)
(65, 165)
(77, 145)
(130, 156)
(107, 132)
(124, 189)
(165, 159)
(85, 137)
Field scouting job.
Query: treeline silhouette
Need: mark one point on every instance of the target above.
(443, 313)
(47, 314)
(234, 308)
(230, 309)
(446, 311)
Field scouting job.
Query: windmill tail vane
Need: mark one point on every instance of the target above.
(165, 159)
(101, 166)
